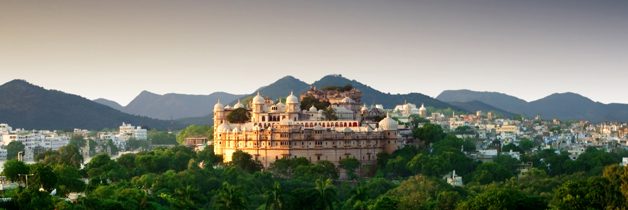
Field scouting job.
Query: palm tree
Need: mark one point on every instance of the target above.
(326, 193)
(356, 201)
(274, 200)
(230, 197)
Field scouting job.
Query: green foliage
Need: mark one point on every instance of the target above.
(12, 169)
(429, 133)
(309, 101)
(162, 138)
(502, 198)
(347, 87)
(244, 161)
(102, 169)
(325, 194)
(239, 115)
(330, 114)
(230, 197)
(13, 149)
(31, 198)
(593, 193)
(195, 131)
(68, 179)
(134, 144)
(350, 165)
(43, 176)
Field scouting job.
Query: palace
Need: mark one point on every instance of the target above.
(278, 130)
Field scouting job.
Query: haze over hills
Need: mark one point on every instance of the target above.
(25, 105)
(172, 105)
(282, 88)
(564, 106)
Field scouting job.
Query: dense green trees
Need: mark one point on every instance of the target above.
(428, 133)
(309, 101)
(239, 115)
(162, 137)
(13, 149)
(410, 178)
(244, 161)
(195, 131)
(13, 169)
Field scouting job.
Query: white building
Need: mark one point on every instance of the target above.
(128, 131)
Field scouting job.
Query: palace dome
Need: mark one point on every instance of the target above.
(218, 107)
(258, 99)
(313, 109)
(291, 99)
(388, 124)
(364, 108)
(238, 105)
(422, 108)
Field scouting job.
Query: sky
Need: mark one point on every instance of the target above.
(114, 49)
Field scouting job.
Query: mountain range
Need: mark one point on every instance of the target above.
(172, 105)
(25, 105)
(564, 106)
(282, 88)
(29, 106)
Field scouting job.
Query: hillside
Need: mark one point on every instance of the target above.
(171, 106)
(32, 107)
(373, 96)
(473, 106)
(564, 106)
(282, 87)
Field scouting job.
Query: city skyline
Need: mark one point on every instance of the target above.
(117, 49)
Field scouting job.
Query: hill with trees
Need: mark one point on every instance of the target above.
(564, 106)
(25, 105)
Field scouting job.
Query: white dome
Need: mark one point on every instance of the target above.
(388, 124)
(422, 108)
(313, 109)
(291, 99)
(223, 128)
(347, 100)
(238, 105)
(364, 108)
(258, 99)
(218, 107)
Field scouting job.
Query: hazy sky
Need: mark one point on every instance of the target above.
(115, 49)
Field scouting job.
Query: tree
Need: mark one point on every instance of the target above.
(68, 179)
(102, 168)
(429, 133)
(230, 197)
(195, 131)
(309, 101)
(13, 149)
(12, 169)
(349, 165)
(70, 155)
(592, 193)
(162, 137)
(325, 194)
(43, 176)
(31, 198)
(244, 161)
(502, 198)
(239, 115)
(133, 144)
(385, 203)
(274, 198)
(330, 114)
